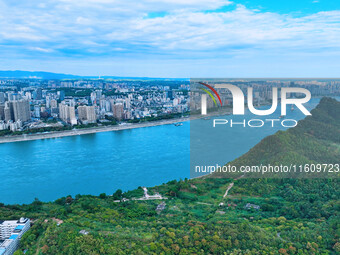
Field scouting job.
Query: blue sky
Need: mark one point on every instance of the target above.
(172, 38)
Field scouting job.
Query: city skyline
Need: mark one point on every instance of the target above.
(172, 39)
(42, 105)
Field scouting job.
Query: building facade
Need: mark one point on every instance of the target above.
(11, 232)
(87, 114)
(67, 114)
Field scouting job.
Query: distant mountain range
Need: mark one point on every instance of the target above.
(35, 75)
(55, 76)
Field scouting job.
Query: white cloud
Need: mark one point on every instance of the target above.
(212, 31)
(184, 28)
(40, 49)
(142, 5)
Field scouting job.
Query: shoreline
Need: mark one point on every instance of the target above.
(93, 130)
(85, 131)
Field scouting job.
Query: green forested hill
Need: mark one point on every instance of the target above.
(257, 216)
(315, 140)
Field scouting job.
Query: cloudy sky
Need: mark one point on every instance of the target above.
(172, 38)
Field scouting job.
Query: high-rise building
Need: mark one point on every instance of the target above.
(61, 94)
(13, 96)
(170, 94)
(107, 106)
(118, 111)
(82, 113)
(39, 94)
(98, 94)
(48, 102)
(67, 114)
(28, 95)
(21, 110)
(37, 111)
(17, 110)
(2, 98)
(8, 113)
(87, 114)
(2, 112)
(54, 103)
(93, 97)
(102, 103)
(91, 114)
(63, 112)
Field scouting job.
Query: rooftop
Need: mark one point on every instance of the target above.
(9, 222)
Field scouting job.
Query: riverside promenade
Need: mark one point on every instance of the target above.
(84, 131)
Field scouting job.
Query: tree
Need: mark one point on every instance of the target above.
(118, 194)
(44, 249)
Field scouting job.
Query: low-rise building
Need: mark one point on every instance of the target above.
(251, 206)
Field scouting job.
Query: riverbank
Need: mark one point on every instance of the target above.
(92, 130)
(60, 134)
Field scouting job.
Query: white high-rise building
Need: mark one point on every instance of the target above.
(48, 102)
(53, 103)
(67, 114)
(11, 232)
